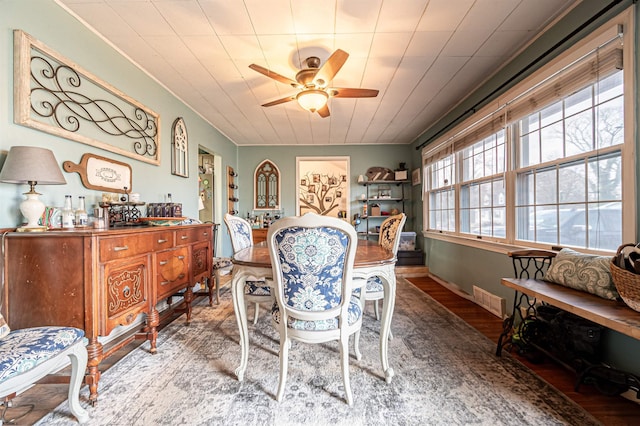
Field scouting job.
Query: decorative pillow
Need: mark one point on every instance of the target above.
(585, 272)
(4, 327)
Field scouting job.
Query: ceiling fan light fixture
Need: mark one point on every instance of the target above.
(312, 100)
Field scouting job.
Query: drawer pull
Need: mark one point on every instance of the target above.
(121, 248)
(180, 257)
(162, 241)
(206, 234)
(181, 276)
(184, 237)
(164, 262)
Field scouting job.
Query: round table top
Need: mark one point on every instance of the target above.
(368, 254)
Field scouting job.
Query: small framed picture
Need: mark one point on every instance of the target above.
(415, 177)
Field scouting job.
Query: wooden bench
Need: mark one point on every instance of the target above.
(530, 266)
(612, 314)
(608, 313)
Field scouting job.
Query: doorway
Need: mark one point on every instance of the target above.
(210, 189)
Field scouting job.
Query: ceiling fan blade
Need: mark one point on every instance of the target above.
(274, 75)
(279, 101)
(324, 111)
(346, 92)
(330, 68)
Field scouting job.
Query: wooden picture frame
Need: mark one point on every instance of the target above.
(54, 95)
(415, 177)
(323, 186)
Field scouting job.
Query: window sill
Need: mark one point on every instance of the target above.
(486, 243)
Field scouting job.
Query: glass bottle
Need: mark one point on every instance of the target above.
(68, 215)
(82, 217)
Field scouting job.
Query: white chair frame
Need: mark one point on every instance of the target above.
(342, 334)
(237, 244)
(378, 295)
(77, 354)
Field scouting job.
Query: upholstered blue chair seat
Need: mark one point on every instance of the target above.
(23, 350)
(374, 285)
(354, 314)
(222, 262)
(257, 288)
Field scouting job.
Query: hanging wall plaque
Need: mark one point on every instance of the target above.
(55, 95)
(102, 174)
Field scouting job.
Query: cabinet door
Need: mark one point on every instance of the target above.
(201, 259)
(45, 280)
(127, 287)
(173, 271)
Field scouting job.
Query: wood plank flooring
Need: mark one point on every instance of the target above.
(609, 410)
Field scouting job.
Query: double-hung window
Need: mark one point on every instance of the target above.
(543, 168)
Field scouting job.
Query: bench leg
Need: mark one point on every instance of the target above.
(507, 326)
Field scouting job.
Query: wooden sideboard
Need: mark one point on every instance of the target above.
(99, 280)
(259, 235)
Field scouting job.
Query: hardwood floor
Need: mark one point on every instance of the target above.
(609, 410)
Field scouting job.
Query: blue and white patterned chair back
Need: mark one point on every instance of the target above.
(239, 231)
(390, 231)
(312, 258)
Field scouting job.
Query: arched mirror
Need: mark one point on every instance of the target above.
(266, 193)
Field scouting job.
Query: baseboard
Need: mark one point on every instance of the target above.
(412, 271)
(452, 287)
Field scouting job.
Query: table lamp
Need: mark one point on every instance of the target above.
(31, 165)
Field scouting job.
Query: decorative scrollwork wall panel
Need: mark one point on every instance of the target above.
(55, 95)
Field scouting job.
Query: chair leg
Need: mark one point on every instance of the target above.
(217, 279)
(78, 358)
(256, 313)
(285, 344)
(376, 309)
(210, 284)
(344, 364)
(356, 346)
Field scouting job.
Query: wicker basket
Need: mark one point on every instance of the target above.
(627, 283)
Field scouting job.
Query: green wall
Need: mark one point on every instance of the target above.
(52, 25)
(467, 266)
(360, 159)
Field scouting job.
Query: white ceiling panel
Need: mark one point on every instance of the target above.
(424, 57)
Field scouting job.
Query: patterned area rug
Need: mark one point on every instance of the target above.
(446, 374)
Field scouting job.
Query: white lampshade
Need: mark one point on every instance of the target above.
(312, 100)
(31, 165)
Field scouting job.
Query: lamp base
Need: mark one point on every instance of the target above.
(32, 209)
(35, 229)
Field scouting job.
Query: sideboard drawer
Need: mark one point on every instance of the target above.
(173, 271)
(190, 236)
(127, 245)
(124, 246)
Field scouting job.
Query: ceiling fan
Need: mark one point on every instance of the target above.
(313, 81)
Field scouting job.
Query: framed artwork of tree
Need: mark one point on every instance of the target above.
(323, 186)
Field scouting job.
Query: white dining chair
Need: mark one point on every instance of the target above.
(255, 291)
(312, 259)
(389, 238)
(29, 354)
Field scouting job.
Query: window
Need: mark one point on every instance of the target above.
(482, 192)
(546, 167)
(266, 186)
(442, 197)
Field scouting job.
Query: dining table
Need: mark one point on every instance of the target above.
(253, 263)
